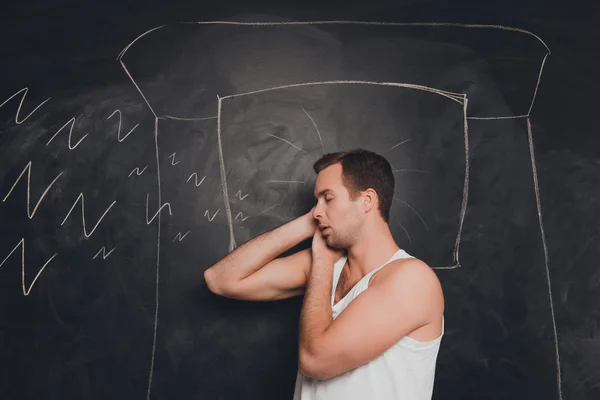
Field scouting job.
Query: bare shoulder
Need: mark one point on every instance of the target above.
(406, 268)
(413, 276)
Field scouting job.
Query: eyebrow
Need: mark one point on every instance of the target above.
(322, 192)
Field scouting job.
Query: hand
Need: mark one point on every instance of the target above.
(309, 224)
(321, 251)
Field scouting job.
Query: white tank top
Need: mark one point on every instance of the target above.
(405, 371)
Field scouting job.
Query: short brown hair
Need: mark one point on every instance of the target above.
(361, 170)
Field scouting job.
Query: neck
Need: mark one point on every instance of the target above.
(375, 246)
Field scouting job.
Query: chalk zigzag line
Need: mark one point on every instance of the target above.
(137, 171)
(207, 214)
(180, 237)
(119, 131)
(72, 123)
(27, 168)
(239, 195)
(168, 205)
(241, 216)
(195, 176)
(22, 245)
(81, 198)
(104, 253)
(172, 157)
(24, 91)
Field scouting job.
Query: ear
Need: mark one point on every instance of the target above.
(369, 199)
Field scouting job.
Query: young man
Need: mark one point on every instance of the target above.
(380, 345)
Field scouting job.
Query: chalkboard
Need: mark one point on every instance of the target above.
(188, 139)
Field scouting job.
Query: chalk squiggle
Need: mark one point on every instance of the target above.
(72, 123)
(104, 253)
(24, 91)
(119, 131)
(195, 176)
(82, 198)
(207, 214)
(180, 237)
(241, 216)
(239, 195)
(137, 171)
(27, 168)
(168, 205)
(172, 157)
(22, 245)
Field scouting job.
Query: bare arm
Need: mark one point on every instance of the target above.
(251, 271)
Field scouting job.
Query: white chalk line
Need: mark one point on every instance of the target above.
(450, 267)
(81, 198)
(27, 168)
(405, 231)
(457, 97)
(241, 216)
(22, 245)
(232, 243)
(138, 88)
(338, 22)
(24, 91)
(400, 144)
(433, 24)
(155, 327)
(275, 181)
(283, 140)
(104, 253)
(239, 195)
(465, 199)
(409, 24)
(72, 123)
(122, 53)
(137, 171)
(269, 209)
(119, 131)
(172, 156)
(546, 261)
(316, 128)
(186, 119)
(180, 237)
(491, 118)
(156, 214)
(537, 85)
(195, 176)
(413, 210)
(207, 214)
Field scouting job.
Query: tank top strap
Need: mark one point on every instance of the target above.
(398, 255)
(363, 283)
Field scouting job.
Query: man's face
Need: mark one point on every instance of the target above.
(335, 212)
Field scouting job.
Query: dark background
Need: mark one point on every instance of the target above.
(86, 328)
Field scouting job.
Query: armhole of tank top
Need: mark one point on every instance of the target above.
(381, 267)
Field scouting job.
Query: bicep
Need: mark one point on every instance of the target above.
(379, 317)
(281, 278)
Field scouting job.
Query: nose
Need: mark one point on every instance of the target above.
(317, 211)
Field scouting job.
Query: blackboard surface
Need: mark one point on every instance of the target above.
(136, 150)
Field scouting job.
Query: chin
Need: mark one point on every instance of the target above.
(331, 243)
